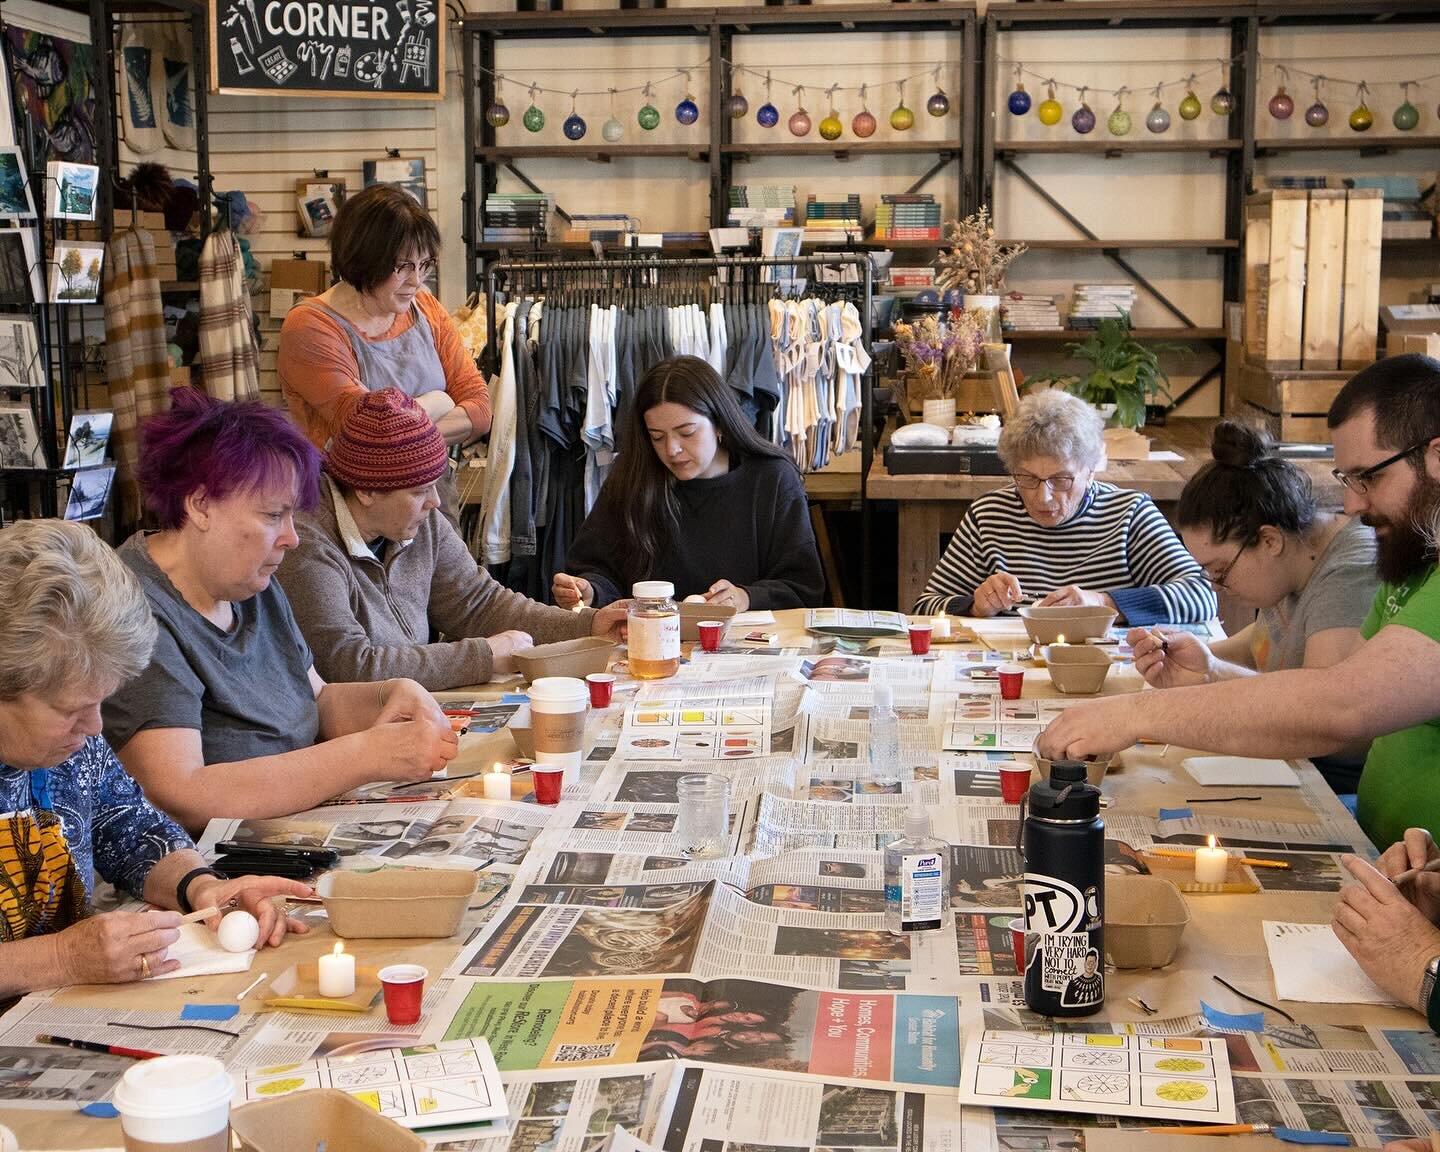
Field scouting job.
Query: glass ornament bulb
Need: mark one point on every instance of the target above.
(1362, 118)
(648, 117)
(938, 104)
(767, 115)
(799, 123)
(1406, 116)
(574, 126)
(1223, 102)
(1118, 122)
(831, 128)
(1157, 119)
(1281, 106)
(1190, 107)
(687, 111)
(534, 119)
(612, 130)
(1317, 115)
(863, 125)
(902, 119)
(1019, 102)
(1083, 121)
(737, 107)
(497, 115)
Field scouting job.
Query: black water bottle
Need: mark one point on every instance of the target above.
(1063, 845)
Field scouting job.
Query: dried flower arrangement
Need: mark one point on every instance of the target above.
(940, 351)
(975, 261)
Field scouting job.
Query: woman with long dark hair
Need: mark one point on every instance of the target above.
(709, 505)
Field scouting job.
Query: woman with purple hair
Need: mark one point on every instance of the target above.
(230, 718)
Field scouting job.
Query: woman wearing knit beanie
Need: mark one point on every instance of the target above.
(379, 570)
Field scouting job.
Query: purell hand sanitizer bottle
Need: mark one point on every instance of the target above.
(917, 878)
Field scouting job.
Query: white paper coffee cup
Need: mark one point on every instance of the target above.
(175, 1104)
(558, 706)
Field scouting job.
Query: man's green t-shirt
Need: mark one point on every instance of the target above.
(1400, 787)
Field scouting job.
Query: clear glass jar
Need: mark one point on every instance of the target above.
(703, 827)
(653, 622)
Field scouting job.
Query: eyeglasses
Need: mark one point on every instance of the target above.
(1029, 483)
(1218, 579)
(406, 267)
(1359, 480)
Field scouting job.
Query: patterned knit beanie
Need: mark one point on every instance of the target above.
(386, 442)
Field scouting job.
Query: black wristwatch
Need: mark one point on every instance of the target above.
(1427, 982)
(182, 890)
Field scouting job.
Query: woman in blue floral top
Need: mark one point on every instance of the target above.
(74, 625)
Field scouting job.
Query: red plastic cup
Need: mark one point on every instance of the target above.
(710, 633)
(404, 986)
(549, 779)
(1014, 782)
(1017, 943)
(1012, 681)
(920, 638)
(602, 688)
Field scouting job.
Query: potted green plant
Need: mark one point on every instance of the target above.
(1123, 371)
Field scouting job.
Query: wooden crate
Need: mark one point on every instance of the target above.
(1312, 278)
(1292, 405)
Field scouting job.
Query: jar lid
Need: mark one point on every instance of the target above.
(653, 590)
(1065, 795)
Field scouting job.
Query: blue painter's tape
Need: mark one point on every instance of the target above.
(514, 698)
(103, 1110)
(1176, 814)
(1233, 1021)
(209, 1011)
(1300, 1136)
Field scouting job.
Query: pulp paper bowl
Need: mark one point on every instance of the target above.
(1077, 668)
(1095, 767)
(321, 1115)
(692, 614)
(1145, 916)
(392, 903)
(574, 658)
(1047, 625)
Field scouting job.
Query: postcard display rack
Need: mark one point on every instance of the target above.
(42, 455)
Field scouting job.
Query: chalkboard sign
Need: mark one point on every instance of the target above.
(383, 48)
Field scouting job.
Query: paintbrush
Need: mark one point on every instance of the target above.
(1411, 873)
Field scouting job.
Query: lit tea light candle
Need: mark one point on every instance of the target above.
(1211, 864)
(497, 784)
(337, 974)
(1060, 639)
(940, 628)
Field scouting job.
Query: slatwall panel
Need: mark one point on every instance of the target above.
(262, 146)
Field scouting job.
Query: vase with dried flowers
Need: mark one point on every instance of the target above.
(975, 263)
(938, 352)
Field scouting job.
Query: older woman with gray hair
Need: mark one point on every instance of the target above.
(74, 625)
(1057, 536)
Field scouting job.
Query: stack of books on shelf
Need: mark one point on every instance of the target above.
(1100, 300)
(921, 277)
(911, 216)
(833, 221)
(1030, 312)
(515, 217)
(604, 227)
(761, 206)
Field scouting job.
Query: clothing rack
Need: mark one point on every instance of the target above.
(642, 272)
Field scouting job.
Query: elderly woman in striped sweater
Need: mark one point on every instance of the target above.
(1060, 537)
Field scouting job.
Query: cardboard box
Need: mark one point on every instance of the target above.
(306, 275)
(1145, 916)
(1426, 345)
(692, 614)
(396, 903)
(577, 658)
(300, 1123)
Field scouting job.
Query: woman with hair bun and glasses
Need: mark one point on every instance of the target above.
(697, 498)
(378, 327)
(1251, 520)
(1061, 537)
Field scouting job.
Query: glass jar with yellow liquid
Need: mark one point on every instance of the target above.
(653, 622)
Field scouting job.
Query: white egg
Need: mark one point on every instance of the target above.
(695, 599)
(238, 932)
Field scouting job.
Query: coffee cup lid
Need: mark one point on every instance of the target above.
(558, 688)
(172, 1086)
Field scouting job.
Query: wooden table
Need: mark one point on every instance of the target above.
(931, 505)
(1224, 937)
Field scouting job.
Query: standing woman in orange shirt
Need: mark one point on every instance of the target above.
(377, 327)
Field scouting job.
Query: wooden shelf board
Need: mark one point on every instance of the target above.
(1358, 142)
(1114, 146)
(582, 151)
(1079, 334)
(841, 148)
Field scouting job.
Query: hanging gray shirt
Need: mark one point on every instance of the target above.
(246, 691)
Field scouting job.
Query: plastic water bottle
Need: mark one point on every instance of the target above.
(917, 878)
(884, 737)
